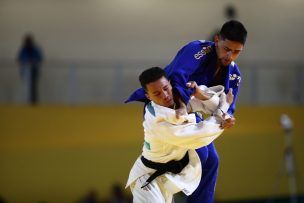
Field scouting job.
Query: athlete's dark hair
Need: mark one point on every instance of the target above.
(234, 30)
(151, 75)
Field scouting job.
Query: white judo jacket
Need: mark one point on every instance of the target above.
(167, 138)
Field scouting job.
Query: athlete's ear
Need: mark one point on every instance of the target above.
(216, 39)
(148, 96)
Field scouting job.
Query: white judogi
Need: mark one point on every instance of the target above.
(216, 105)
(168, 138)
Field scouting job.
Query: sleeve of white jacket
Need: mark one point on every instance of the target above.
(210, 105)
(170, 116)
(206, 106)
(223, 107)
(189, 135)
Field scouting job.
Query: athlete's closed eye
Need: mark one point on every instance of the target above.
(156, 93)
(227, 49)
(166, 88)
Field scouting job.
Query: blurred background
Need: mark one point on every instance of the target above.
(74, 139)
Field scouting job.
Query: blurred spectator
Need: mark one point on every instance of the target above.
(117, 195)
(30, 59)
(2, 200)
(230, 13)
(90, 197)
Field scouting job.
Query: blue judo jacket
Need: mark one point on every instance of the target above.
(196, 62)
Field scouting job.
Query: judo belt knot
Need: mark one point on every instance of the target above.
(161, 168)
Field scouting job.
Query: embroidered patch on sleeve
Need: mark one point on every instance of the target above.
(235, 77)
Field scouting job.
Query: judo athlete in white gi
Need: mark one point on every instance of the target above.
(169, 162)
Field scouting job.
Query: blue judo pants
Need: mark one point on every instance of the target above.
(205, 191)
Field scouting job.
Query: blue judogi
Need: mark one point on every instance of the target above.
(197, 62)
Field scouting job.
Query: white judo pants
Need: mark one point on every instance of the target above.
(153, 193)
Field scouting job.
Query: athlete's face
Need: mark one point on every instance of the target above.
(227, 51)
(160, 92)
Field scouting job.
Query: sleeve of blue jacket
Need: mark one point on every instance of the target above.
(138, 95)
(178, 71)
(187, 61)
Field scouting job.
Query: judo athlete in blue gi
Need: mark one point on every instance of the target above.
(207, 63)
